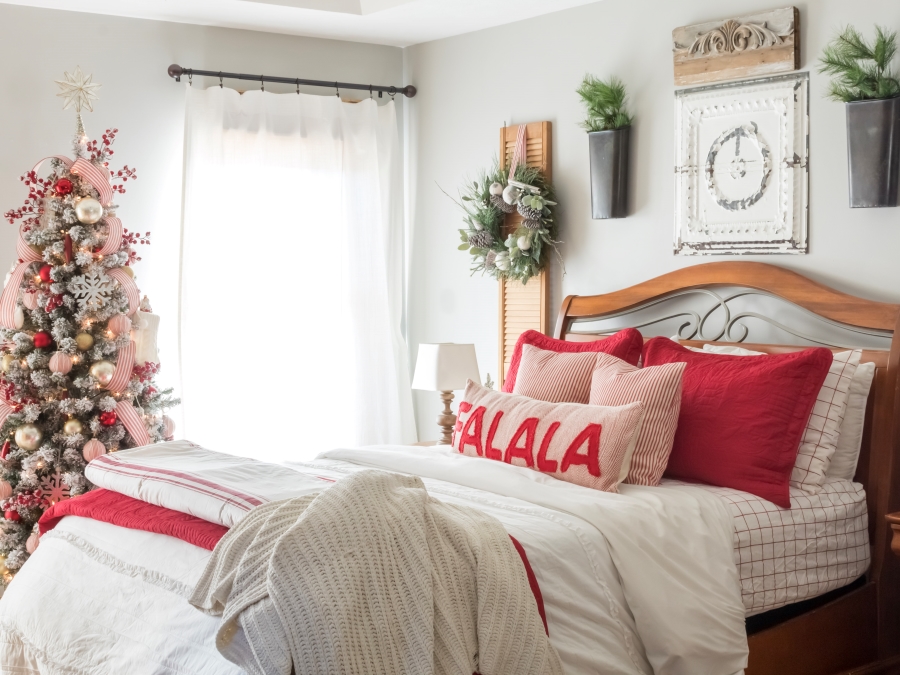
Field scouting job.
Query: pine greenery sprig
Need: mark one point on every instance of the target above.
(861, 70)
(605, 103)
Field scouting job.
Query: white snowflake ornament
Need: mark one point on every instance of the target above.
(92, 290)
(54, 488)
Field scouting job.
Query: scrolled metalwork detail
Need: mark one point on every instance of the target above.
(732, 327)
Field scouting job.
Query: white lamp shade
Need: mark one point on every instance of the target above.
(445, 367)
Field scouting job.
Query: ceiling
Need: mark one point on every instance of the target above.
(392, 22)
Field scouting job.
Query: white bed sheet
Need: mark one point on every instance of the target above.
(101, 599)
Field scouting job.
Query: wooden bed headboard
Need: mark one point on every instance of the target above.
(879, 463)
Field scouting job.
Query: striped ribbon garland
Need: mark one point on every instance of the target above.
(10, 296)
(5, 411)
(98, 178)
(128, 286)
(114, 238)
(133, 422)
(518, 153)
(124, 368)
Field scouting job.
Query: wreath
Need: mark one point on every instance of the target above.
(523, 253)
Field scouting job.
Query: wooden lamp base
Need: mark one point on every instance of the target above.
(446, 420)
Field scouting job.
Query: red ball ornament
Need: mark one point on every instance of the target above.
(11, 515)
(63, 186)
(109, 418)
(42, 339)
(45, 273)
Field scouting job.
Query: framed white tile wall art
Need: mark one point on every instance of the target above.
(741, 173)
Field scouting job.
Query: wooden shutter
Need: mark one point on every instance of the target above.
(523, 307)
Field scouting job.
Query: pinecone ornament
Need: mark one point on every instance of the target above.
(481, 239)
(529, 213)
(497, 201)
(533, 224)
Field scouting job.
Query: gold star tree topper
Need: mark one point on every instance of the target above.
(77, 90)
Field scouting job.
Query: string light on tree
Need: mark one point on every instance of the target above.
(71, 387)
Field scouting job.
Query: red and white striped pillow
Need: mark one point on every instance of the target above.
(615, 382)
(555, 377)
(583, 444)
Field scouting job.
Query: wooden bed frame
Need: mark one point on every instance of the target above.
(855, 629)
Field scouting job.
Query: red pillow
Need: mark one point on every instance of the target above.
(741, 419)
(625, 345)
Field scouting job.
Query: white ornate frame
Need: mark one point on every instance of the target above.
(772, 114)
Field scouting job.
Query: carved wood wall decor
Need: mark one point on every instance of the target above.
(523, 306)
(737, 48)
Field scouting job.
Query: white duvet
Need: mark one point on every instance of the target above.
(641, 582)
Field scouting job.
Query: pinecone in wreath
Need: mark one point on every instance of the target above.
(482, 239)
(489, 260)
(533, 224)
(497, 201)
(529, 213)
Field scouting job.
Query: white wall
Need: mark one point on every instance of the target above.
(470, 84)
(129, 58)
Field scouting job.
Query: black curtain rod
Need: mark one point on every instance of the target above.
(177, 71)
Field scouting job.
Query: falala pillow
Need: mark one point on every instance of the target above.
(658, 388)
(823, 428)
(741, 420)
(556, 377)
(625, 345)
(582, 444)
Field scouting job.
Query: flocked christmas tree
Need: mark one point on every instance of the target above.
(77, 348)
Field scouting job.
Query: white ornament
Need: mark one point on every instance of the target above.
(12, 268)
(19, 316)
(496, 189)
(92, 290)
(54, 488)
(502, 261)
(511, 194)
(88, 210)
(524, 243)
(143, 332)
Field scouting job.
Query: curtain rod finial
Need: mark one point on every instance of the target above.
(175, 71)
(409, 91)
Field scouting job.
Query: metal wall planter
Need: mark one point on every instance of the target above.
(609, 172)
(873, 152)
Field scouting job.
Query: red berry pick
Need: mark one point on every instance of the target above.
(45, 273)
(42, 340)
(11, 515)
(108, 418)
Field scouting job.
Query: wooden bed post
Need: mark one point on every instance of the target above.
(522, 307)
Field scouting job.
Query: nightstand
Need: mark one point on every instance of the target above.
(894, 520)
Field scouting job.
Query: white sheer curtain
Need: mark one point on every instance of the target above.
(291, 275)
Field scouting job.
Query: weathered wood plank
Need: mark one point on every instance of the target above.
(740, 47)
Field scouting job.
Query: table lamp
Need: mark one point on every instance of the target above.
(445, 367)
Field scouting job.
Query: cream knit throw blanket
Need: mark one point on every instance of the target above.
(373, 577)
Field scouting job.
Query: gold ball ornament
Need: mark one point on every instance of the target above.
(6, 362)
(29, 437)
(88, 210)
(72, 427)
(103, 372)
(84, 341)
(4, 570)
(129, 271)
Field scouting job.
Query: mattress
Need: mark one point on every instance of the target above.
(787, 555)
